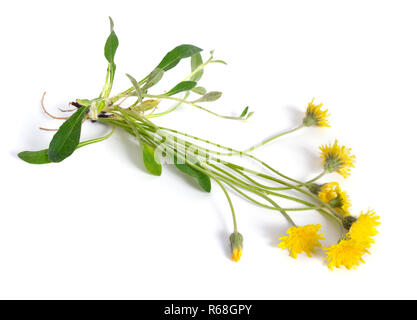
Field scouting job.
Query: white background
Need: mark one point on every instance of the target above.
(98, 226)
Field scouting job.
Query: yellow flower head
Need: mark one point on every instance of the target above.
(315, 116)
(337, 158)
(333, 195)
(301, 239)
(347, 252)
(236, 240)
(364, 228)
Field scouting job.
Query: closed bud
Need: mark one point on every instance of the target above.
(348, 221)
(314, 188)
(236, 240)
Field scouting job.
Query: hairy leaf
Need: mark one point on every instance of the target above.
(196, 61)
(172, 58)
(154, 77)
(136, 86)
(111, 44)
(211, 96)
(199, 90)
(182, 86)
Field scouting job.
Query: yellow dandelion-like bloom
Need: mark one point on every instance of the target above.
(337, 158)
(237, 253)
(301, 239)
(315, 116)
(328, 191)
(364, 228)
(347, 253)
(333, 195)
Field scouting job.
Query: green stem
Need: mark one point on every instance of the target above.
(230, 153)
(307, 193)
(316, 178)
(230, 203)
(272, 138)
(173, 108)
(191, 104)
(95, 140)
(127, 92)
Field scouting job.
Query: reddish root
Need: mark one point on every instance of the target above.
(48, 129)
(47, 113)
(62, 110)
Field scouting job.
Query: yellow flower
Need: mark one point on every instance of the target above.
(333, 195)
(364, 228)
(301, 239)
(337, 158)
(315, 116)
(328, 191)
(347, 252)
(237, 253)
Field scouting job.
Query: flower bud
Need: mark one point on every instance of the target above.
(348, 221)
(236, 240)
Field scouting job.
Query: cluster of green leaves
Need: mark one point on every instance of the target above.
(151, 158)
(67, 138)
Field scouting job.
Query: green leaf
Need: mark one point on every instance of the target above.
(152, 163)
(111, 24)
(199, 90)
(111, 44)
(136, 86)
(66, 139)
(154, 77)
(196, 61)
(202, 178)
(84, 102)
(249, 115)
(211, 96)
(245, 111)
(41, 156)
(204, 182)
(35, 157)
(146, 105)
(172, 58)
(180, 87)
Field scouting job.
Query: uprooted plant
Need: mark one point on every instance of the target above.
(207, 162)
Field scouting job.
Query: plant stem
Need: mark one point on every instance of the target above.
(272, 138)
